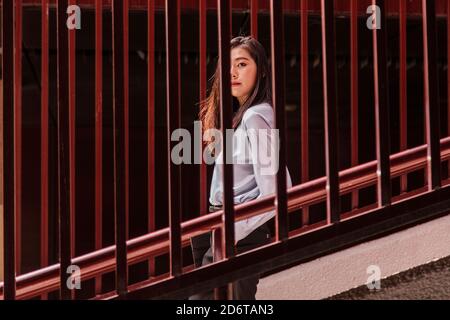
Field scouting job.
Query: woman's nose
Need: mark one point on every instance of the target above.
(233, 73)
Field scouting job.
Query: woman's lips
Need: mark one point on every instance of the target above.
(235, 84)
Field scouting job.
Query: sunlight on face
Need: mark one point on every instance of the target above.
(243, 74)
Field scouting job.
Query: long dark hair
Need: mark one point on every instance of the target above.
(262, 92)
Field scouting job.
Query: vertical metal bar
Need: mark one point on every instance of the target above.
(254, 8)
(98, 133)
(224, 246)
(354, 88)
(127, 114)
(9, 168)
(119, 147)
(224, 28)
(203, 76)
(330, 110)
(216, 244)
(63, 143)
(173, 123)
(225, 292)
(382, 108)
(18, 129)
(431, 94)
(403, 88)
(448, 76)
(277, 50)
(72, 133)
(304, 96)
(151, 124)
(44, 135)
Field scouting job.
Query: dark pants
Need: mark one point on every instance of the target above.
(243, 289)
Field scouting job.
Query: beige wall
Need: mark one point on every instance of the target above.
(1, 181)
(347, 269)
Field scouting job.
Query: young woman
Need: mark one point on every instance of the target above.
(253, 115)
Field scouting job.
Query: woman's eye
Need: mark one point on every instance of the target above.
(242, 64)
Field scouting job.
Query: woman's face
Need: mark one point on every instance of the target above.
(243, 74)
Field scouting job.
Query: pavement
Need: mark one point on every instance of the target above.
(426, 282)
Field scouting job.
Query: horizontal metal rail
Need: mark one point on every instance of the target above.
(156, 243)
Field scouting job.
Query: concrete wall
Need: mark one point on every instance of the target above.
(347, 269)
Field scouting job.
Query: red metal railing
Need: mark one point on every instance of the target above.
(387, 214)
(44, 138)
(341, 6)
(98, 132)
